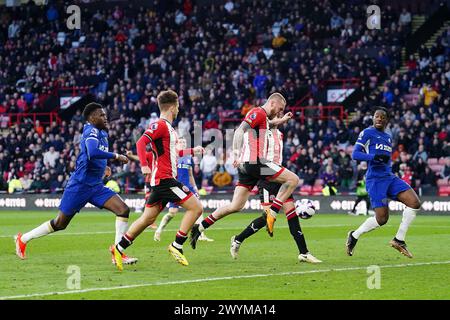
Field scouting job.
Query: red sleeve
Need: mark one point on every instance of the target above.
(255, 117)
(185, 152)
(155, 131)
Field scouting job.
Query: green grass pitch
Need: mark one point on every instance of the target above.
(267, 268)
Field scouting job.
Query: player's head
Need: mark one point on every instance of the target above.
(96, 115)
(168, 102)
(181, 143)
(275, 104)
(380, 118)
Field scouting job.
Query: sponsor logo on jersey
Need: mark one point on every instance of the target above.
(380, 146)
(253, 116)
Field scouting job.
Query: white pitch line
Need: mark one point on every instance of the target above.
(230, 228)
(218, 279)
(169, 230)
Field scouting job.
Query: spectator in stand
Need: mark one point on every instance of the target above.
(445, 173)
(50, 157)
(208, 164)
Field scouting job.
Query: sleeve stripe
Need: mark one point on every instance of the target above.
(150, 138)
(364, 146)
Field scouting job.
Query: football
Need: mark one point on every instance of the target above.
(305, 209)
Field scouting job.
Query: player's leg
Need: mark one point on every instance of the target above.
(267, 191)
(71, 203)
(240, 197)
(137, 227)
(116, 205)
(173, 209)
(409, 198)
(378, 197)
(358, 200)
(296, 232)
(193, 211)
(289, 182)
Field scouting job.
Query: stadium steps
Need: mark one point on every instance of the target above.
(417, 21)
(435, 36)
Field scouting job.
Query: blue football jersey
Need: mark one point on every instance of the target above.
(90, 171)
(375, 142)
(184, 164)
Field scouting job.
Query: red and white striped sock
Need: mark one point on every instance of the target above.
(207, 222)
(291, 214)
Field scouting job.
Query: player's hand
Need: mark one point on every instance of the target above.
(122, 158)
(383, 158)
(107, 173)
(236, 163)
(146, 170)
(199, 150)
(129, 153)
(287, 117)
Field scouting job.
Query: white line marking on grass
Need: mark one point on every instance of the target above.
(169, 230)
(229, 228)
(218, 279)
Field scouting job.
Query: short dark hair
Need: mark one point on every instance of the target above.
(90, 107)
(167, 98)
(382, 109)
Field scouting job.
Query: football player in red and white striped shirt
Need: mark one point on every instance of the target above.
(162, 138)
(267, 192)
(250, 152)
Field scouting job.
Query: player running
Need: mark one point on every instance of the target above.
(249, 150)
(375, 146)
(162, 138)
(186, 177)
(86, 184)
(267, 192)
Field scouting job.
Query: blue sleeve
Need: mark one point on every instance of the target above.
(93, 152)
(360, 154)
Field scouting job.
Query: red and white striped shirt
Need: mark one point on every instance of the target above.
(163, 139)
(275, 146)
(255, 139)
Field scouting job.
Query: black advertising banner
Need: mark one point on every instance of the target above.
(333, 204)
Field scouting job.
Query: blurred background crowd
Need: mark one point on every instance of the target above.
(222, 58)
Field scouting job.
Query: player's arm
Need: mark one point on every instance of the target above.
(238, 140)
(279, 121)
(132, 156)
(192, 180)
(141, 147)
(94, 152)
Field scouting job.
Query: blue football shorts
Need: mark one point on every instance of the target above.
(76, 197)
(382, 189)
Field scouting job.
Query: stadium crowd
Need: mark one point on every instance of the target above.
(226, 57)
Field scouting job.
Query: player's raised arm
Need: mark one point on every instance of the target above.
(280, 120)
(94, 152)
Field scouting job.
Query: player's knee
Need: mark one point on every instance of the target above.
(382, 220)
(124, 212)
(416, 204)
(58, 225)
(293, 181)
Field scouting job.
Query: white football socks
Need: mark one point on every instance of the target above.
(368, 225)
(121, 228)
(38, 232)
(408, 216)
(164, 221)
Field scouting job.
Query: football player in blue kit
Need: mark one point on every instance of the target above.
(374, 145)
(86, 183)
(185, 176)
